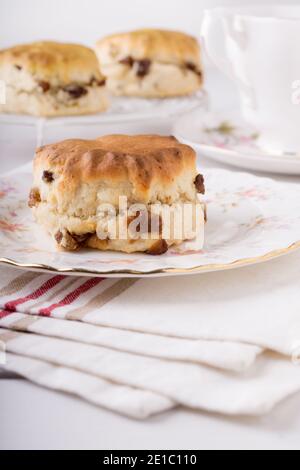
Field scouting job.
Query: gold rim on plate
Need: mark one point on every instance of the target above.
(171, 271)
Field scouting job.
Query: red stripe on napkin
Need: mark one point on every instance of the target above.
(4, 313)
(71, 296)
(34, 295)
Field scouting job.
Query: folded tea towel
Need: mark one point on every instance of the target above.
(51, 297)
(125, 400)
(198, 341)
(254, 392)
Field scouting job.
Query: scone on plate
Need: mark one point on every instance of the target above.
(52, 79)
(118, 192)
(151, 63)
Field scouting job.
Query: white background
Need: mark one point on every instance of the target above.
(87, 20)
(32, 417)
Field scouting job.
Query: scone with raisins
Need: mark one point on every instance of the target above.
(151, 63)
(52, 79)
(118, 192)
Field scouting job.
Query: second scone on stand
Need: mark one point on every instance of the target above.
(151, 63)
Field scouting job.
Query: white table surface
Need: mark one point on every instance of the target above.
(35, 418)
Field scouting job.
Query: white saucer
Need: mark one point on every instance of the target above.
(226, 138)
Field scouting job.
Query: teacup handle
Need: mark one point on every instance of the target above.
(212, 33)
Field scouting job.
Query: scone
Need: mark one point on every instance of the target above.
(150, 63)
(118, 192)
(52, 79)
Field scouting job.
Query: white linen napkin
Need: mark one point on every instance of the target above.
(254, 392)
(220, 354)
(156, 334)
(64, 297)
(257, 305)
(128, 401)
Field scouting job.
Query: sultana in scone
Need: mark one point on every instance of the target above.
(52, 79)
(151, 63)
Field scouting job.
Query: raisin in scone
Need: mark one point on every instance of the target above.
(151, 63)
(118, 192)
(52, 79)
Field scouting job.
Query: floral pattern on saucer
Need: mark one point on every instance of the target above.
(227, 134)
(228, 139)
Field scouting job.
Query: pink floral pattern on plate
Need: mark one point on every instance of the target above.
(249, 218)
(227, 134)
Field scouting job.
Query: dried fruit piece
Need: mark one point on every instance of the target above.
(127, 61)
(193, 68)
(199, 183)
(143, 67)
(71, 241)
(48, 176)
(158, 248)
(34, 198)
(45, 86)
(75, 91)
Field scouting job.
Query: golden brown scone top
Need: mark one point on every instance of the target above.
(150, 165)
(47, 59)
(153, 44)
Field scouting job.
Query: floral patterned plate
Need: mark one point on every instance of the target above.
(226, 138)
(250, 220)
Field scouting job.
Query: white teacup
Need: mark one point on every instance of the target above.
(259, 47)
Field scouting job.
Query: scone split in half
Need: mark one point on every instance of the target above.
(52, 79)
(150, 63)
(118, 192)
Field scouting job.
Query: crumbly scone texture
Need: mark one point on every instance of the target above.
(161, 81)
(73, 178)
(172, 47)
(55, 104)
(151, 63)
(52, 79)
